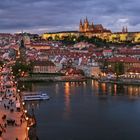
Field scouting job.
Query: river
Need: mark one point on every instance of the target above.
(86, 111)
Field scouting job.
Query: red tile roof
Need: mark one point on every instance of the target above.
(124, 59)
(134, 70)
(43, 63)
(129, 51)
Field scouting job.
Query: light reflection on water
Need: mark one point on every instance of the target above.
(80, 110)
(98, 89)
(67, 99)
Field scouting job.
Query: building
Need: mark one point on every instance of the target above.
(120, 37)
(22, 52)
(107, 53)
(44, 67)
(127, 63)
(40, 46)
(87, 27)
(60, 35)
(133, 73)
(96, 30)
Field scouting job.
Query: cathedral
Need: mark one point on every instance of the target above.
(87, 27)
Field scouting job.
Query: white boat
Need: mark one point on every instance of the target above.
(31, 97)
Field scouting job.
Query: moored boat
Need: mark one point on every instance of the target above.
(31, 97)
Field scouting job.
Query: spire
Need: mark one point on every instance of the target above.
(22, 31)
(86, 19)
(81, 22)
(92, 24)
(81, 26)
(22, 44)
(126, 30)
(123, 30)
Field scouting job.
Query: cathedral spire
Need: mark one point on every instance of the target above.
(81, 26)
(123, 30)
(86, 19)
(81, 22)
(126, 30)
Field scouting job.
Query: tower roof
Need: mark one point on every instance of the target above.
(22, 44)
(80, 21)
(86, 19)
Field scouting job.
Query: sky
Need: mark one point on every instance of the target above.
(39, 16)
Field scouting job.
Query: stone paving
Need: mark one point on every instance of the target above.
(18, 130)
(13, 125)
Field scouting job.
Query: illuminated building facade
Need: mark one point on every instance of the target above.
(91, 30)
(60, 35)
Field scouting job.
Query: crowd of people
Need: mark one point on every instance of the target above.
(11, 116)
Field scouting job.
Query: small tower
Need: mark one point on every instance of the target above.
(126, 29)
(86, 25)
(123, 30)
(22, 50)
(81, 26)
(92, 26)
(86, 19)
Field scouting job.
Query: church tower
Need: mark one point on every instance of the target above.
(92, 26)
(22, 50)
(126, 29)
(123, 30)
(81, 26)
(86, 25)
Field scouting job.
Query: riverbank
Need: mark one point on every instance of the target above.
(13, 125)
(79, 79)
(13, 121)
(54, 79)
(121, 81)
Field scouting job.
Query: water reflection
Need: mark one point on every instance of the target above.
(102, 89)
(134, 91)
(32, 105)
(98, 88)
(56, 88)
(118, 89)
(67, 99)
(71, 110)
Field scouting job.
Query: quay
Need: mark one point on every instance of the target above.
(12, 131)
(121, 81)
(53, 79)
(14, 120)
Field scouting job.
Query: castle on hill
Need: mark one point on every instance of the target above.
(96, 30)
(85, 26)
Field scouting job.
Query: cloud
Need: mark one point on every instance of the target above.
(58, 15)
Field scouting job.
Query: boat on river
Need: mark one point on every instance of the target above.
(32, 97)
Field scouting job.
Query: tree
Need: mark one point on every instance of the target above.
(50, 38)
(82, 38)
(119, 69)
(56, 38)
(19, 68)
(1, 63)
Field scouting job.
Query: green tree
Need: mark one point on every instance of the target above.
(1, 63)
(119, 69)
(56, 38)
(82, 38)
(19, 67)
(50, 38)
